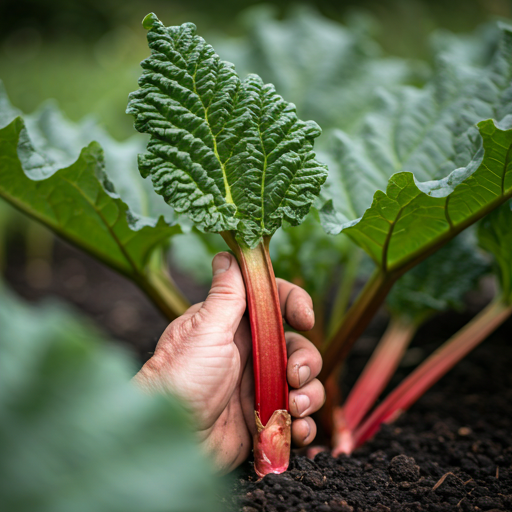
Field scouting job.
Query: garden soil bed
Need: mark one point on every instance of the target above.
(452, 451)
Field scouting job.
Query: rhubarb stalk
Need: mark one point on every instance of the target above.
(273, 437)
(377, 373)
(435, 367)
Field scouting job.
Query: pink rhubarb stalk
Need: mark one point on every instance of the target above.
(273, 437)
(376, 375)
(433, 368)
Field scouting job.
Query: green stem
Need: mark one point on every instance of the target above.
(344, 292)
(3, 239)
(161, 289)
(356, 320)
(316, 334)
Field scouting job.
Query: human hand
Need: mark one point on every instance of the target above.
(204, 357)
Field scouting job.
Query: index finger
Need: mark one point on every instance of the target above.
(296, 305)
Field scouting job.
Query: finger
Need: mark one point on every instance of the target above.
(225, 304)
(296, 305)
(304, 360)
(307, 400)
(303, 431)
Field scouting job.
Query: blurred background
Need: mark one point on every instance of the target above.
(86, 53)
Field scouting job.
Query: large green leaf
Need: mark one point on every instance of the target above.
(326, 69)
(443, 173)
(495, 236)
(75, 433)
(45, 174)
(61, 140)
(231, 154)
(439, 283)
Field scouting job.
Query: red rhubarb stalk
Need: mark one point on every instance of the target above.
(273, 437)
(376, 375)
(433, 368)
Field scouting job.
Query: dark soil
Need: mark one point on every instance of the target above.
(452, 451)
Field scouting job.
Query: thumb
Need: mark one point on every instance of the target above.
(225, 304)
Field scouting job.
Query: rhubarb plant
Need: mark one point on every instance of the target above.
(335, 91)
(495, 236)
(233, 156)
(56, 172)
(425, 165)
(438, 284)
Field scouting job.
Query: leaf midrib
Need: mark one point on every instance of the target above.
(228, 197)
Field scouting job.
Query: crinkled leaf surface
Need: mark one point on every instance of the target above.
(443, 173)
(229, 153)
(75, 433)
(495, 236)
(68, 190)
(328, 70)
(440, 282)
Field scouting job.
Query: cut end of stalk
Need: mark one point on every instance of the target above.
(272, 443)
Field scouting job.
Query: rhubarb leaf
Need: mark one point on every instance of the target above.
(439, 283)
(75, 433)
(495, 236)
(229, 153)
(61, 141)
(75, 198)
(439, 173)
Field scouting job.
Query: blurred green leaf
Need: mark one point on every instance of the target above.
(75, 433)
(443, 173)
(193, 252)
(45, 174)
(495, 236)
(440, 282)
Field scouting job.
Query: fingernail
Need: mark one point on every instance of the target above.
(302, 403)
(309, 430)
(304, 373)
(220, 263)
